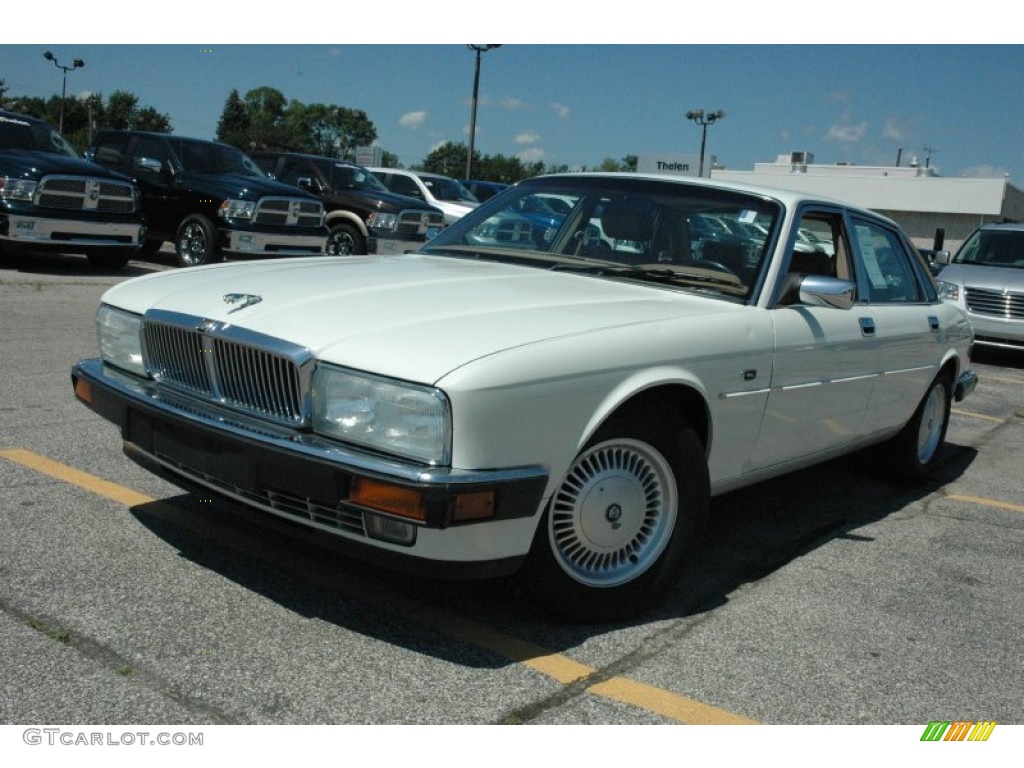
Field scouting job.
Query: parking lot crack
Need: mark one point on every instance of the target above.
(123, 667)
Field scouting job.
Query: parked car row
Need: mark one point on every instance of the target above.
(136, 190)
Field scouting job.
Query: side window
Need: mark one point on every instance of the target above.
(292, 169)
(403, 185)
(885, 264)
(151, 149)
(817, 247)
(110, 150)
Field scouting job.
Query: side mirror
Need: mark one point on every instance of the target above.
(942, 258)
(149, 165)
(307, 183)
(820, 291)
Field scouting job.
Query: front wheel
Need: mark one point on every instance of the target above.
(620, 522)
(196, 243)
(345, 240)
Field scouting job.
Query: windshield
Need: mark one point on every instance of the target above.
(993, 248)
(209, 157)
(444, 188)
(355, 177)
(682, 234)
(34, 136)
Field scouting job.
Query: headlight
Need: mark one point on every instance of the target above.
(237, 209)
(119, 337)
(381, 414)
(16, 189)
(386, 221)
(948, 291)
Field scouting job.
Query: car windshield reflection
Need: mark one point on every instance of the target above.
(695, 236)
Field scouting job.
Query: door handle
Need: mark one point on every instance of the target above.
(867, 326)
(933, 322)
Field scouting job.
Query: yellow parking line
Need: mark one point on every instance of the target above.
(556, 666)
(1003, 379)
(960, 412)
(986, 502)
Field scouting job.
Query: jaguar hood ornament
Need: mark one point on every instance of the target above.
(243, 300)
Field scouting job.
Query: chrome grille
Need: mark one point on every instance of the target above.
(289, 212)
(241, 376)
(1008, 305)
(416, 223)
(83, 193)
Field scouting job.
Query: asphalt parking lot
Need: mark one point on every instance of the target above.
(833, 596)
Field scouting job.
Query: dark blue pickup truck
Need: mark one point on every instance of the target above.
(50, 199)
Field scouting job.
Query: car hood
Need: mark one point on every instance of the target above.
(242, 186)
(412, 317)
(31, 164)
(990, 278)
(381, 201)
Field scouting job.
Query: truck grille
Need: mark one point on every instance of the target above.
(1008, 305)
(289, 212)
(240, 376)
(414, 224)
(83, 193)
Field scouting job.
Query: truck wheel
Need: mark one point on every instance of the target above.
(109, 260)
(196, 243)
(620, 523)
(345, 240)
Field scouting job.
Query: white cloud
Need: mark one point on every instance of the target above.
(846, 133)
(510, 102)
(413, 119)
(893, 130)
(531, 155)
(527, 137)
(560, 109)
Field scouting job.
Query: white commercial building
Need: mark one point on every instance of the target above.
(918, 199)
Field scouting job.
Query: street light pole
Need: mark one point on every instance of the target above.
(704, 119)
(64, 88)
(472, 118)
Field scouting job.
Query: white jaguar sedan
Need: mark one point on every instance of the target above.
(554, 396)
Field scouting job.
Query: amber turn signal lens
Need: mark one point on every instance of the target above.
(388, 498)
(473, 506)
(83, 391)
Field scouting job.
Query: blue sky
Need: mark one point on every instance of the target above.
(580, 103)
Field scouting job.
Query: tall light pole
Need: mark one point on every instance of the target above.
(472, 118)
(704, 119)
(64, 88)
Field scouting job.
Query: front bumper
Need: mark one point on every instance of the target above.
(309, 480)
(36, 231)
(256, 243)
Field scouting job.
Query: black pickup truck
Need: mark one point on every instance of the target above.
(211, 199)
(362, 215)
(51, 199)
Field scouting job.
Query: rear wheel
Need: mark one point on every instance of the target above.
(916, 448)
(196, 243)
(620, 522)
(345, 240)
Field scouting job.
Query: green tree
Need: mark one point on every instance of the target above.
(389, 160)
(265, 107)
(233, 126)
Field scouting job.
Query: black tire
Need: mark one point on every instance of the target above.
(915, 450)
(149, 249)
(345, 240)
(618, 527)
(112, 260)
(196, 242)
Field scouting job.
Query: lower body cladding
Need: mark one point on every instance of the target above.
(36, 231)
(427, 520)
(256, 243)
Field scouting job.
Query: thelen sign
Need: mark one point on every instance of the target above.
(680, 165)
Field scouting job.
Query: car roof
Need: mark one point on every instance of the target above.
(787, 197)
(1013, 226)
